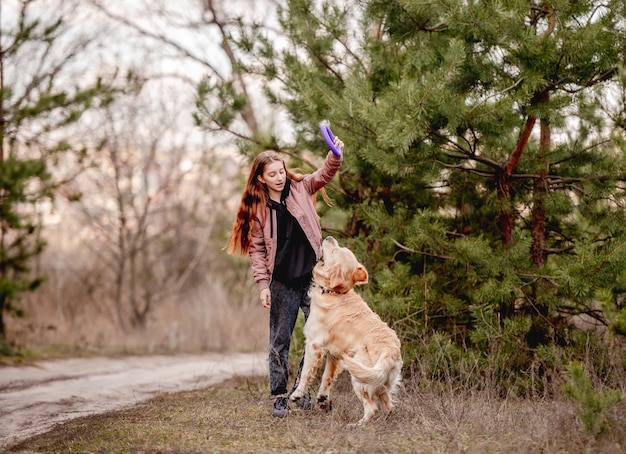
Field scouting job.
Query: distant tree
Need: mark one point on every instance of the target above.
(485, 168)
(198, 35)
(191, 42)
(151, 203)
(39, 100)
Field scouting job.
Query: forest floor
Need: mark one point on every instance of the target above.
(36, 397)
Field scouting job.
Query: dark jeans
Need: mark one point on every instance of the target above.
(286, 301)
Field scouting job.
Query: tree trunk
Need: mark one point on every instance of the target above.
(2, 301)
(503, 180)
(538, 228)
(119, 285)
(505, 219)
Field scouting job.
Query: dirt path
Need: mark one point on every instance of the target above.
(35, 398)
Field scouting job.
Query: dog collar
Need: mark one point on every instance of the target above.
(325, 291)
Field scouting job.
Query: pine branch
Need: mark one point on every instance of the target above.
(414, 251)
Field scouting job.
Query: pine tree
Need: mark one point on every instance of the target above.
(485, 166)
(506, 108)
(34, 106)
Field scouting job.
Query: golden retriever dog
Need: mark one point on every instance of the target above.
(342, 327)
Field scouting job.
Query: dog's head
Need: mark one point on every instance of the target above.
(338, 270)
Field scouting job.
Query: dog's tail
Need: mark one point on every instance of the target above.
(376, 375)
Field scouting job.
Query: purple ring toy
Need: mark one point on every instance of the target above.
(329, 137)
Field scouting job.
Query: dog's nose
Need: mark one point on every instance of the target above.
(329, 238)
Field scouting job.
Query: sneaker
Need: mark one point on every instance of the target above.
(281, 407)
(304, 403)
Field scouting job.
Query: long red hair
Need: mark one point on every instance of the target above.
(254, 195)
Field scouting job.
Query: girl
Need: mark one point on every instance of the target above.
(278, 226)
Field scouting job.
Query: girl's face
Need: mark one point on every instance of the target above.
(274, 176)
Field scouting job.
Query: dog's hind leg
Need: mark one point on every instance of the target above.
(386, 403)
(370, 407)
(331, 371)
(312, 356)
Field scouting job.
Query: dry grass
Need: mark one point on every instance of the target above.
(67, 319)
(63, 317)
(235, 417)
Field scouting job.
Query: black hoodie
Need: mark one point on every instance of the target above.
(295, 258)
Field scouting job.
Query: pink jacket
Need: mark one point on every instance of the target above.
(300, 204)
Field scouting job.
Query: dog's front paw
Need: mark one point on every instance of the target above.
(296, 395)
(325, 403)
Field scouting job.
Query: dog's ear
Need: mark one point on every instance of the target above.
(359, 275)
(335, 280)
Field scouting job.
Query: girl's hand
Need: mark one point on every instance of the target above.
(338, 144)
(266, 299)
